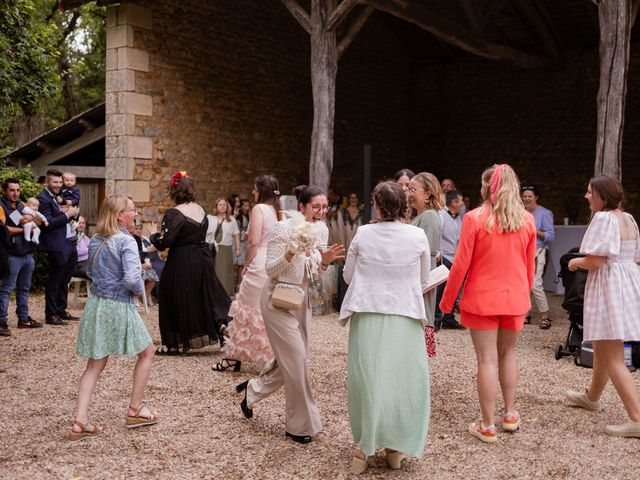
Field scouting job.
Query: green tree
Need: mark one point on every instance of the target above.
(28, 70)
(69, 48)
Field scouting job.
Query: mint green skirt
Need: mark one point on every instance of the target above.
(388, 383)
(109, 327)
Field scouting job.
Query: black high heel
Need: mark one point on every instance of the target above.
(303, 439)
(226, 363)
(246, 411)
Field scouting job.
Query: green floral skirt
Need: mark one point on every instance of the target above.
(109, 327)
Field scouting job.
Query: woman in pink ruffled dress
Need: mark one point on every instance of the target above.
(248, 340)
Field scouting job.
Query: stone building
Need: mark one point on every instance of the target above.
(222, 89)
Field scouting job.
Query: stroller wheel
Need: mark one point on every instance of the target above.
(576, 359)
(559, 352)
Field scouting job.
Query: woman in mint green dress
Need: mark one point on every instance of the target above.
(110, 323)
(387, 269)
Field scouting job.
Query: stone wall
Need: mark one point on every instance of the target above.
(230, 92)
(222, 89)
(467, 116)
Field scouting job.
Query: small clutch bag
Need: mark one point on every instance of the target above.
(287, 296)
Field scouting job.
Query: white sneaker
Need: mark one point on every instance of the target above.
(579, 399)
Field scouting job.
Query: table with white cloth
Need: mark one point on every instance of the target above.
(567, 237)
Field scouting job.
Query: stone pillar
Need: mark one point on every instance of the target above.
(125, 147)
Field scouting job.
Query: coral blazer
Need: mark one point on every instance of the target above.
(499, 268)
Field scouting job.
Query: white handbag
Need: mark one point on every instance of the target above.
(287, 296)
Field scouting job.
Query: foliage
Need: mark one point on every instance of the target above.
(27, 59)
(28, 184)
(52, 63)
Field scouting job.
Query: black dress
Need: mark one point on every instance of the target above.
(193, 303)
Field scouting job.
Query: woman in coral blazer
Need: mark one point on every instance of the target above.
(496, 254)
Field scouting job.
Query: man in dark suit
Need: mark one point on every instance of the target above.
(59, 241)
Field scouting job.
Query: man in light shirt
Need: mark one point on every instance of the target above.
(544, 235)
(451, 226)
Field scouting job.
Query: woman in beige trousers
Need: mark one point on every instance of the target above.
(289, 331)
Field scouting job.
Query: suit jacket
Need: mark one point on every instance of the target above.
(499, 267)
(54, 236)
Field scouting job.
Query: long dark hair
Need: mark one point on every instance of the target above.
(268, 190)
(304, 193)
(242, 216)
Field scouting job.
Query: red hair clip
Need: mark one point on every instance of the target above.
(175, 178)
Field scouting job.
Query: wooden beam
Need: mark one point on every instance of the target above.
(615, 37)
(46, 146)
(340, 13)
(299, 14)
(87, 124)
(537, 23)
(354, 27)
(635, 5)
(71, 147)
(455, 34)
(476, 18)
(324, 68)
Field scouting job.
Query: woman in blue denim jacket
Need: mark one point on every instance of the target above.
(110, 323)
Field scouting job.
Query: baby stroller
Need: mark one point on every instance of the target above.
(573, 283)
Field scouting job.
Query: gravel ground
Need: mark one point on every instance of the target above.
(202, 433)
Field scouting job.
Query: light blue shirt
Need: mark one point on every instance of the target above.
(544, 223)
(116, 271)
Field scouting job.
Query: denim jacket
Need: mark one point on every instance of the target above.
(116, 271)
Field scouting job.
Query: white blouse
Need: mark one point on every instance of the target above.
(387, 267)
(229, 229)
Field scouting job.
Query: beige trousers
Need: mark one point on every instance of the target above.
(537, 291)
(289, 333)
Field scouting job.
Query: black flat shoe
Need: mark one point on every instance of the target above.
(242, 386)
(304, 439)
(226, 363)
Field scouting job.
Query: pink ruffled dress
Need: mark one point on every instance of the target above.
(247, 337)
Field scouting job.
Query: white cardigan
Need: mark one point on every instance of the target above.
(277, 266)
(387, 267)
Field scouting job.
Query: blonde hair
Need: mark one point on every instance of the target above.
(227, 214)
(502, 201)
(108, 217)
(431, 185)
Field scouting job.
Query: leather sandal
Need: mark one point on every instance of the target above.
(545, 323)
(359, 465)
(88, 431)
(137, 420)
(226, 363)
(395, 459)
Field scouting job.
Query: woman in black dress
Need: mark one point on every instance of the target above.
(193, 303)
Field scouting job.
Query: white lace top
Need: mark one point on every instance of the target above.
(277, 266)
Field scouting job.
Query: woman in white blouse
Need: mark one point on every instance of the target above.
(223, 232)
(387, 269)
(288, 330)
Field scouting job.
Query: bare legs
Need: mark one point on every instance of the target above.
(149, 285)
(497, 362)
(88, 382)
(90, 377)
(608, 362)
(140, 378)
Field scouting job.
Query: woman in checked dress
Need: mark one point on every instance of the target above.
(611, 300)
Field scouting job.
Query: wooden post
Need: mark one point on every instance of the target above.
(324, 68)
(366, 185)
(615, 24)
